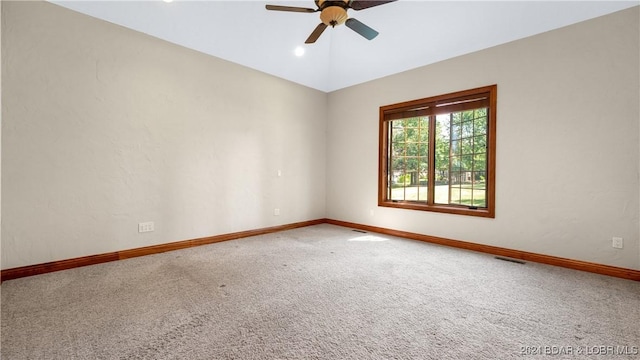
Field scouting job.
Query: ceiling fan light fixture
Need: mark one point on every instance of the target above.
(334, 12)
(333, 15)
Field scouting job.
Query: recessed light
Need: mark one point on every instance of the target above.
(167, 1)
(299, 51)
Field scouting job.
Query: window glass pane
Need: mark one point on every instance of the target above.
(479, 198)
(466, 192)
(466, 146)
(409, 159)
(397, 185)
(398, 163)
(455, 163)
(397, 194)
(479, 144)
(479, 179)
(412, 123)
(410, 134)
(396, 126)
(441, 193)
(480, 162)
(398, 150)
(423, 148)
(466, 163)
(454, 178)
(415, 149)
(456, 118)
(480, 125)
(423, 177)
(455, 195)
(402, 179)
(456, 131)
(466, 178)
(455, 147)
(442, 147)
(424, 135)
(412, 167)
(467, 129)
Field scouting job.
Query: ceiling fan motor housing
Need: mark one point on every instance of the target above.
(333, 13)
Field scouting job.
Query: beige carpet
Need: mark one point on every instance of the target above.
(321, 292)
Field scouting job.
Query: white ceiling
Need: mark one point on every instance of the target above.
(412, 33)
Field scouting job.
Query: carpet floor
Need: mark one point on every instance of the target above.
(320, 292)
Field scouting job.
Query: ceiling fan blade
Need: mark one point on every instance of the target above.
(361, 28)
(316, 33)
(365, 4)
(290, 8)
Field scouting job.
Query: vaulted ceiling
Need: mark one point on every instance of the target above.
(412, 33)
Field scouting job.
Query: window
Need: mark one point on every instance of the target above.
(438, 154)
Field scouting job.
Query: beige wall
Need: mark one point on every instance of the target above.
(104, 127)
(567, 143)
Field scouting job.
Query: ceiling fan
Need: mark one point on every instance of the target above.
(334, 13)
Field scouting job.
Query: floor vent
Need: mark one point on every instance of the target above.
(360, 231)
(510, 260)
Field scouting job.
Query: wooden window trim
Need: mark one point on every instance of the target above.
(429, 106)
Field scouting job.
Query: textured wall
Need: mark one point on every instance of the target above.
(567, 143)
(104, 127)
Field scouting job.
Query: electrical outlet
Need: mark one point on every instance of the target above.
(145, 226)
(276, 212)
(617, 242)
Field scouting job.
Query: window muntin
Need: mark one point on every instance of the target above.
(438, 154)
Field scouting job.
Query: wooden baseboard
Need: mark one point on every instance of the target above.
(624, 273)
(37, 269)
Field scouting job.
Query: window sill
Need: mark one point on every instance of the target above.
(448, 209)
